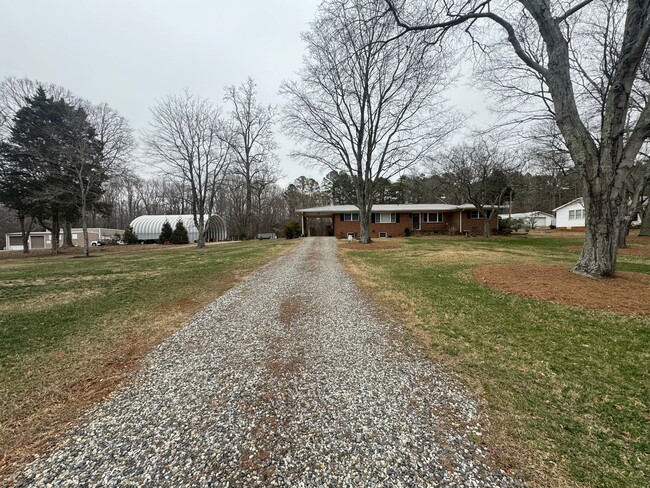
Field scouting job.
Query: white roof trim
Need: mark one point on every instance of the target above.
(579, 199)
(534, 213)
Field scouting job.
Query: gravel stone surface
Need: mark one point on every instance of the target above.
(291, 378)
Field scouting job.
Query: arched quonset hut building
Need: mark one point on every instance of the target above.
(148, 227)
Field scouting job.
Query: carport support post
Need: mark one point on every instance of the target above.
(302, 222)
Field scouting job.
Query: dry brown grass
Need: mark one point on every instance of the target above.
(51, 300)
(377, 244)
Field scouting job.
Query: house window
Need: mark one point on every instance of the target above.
(383, 234)
(572, 214)
(348, 217)
(580, 214)
(386, 218)
(432, 217)
(474, 214)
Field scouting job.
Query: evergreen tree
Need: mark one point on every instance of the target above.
(129, 236)
(292, 230)
(179, 236)
(166, 233)
(54, 159)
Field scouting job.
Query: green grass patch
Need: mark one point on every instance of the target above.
(569, 385)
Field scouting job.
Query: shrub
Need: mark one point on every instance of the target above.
(407, 231)
(166, 233)
(179, 235)
(507, 226)
(292, 230)
(129, 237)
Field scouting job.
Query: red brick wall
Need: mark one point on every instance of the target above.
(451, 221)
(475, 226)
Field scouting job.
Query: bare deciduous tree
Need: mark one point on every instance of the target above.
(482, 176)
(253, 144)
(364, 105)
(188, 139)
(590, 63)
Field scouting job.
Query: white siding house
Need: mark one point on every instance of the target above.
(571, 215)
(541, 219)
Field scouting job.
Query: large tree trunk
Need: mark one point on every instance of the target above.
(623, 232)
(645, 219)
(24, 231)
(249, 211)
(364, 225)
(84, 226)
(486, 226)
(645, 224)
(67, 234)
(602, 225)
(364, 190)
(200, 242)
(55, 232)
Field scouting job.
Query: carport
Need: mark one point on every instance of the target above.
(317, 213)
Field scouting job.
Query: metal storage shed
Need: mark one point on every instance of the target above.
(148, 227)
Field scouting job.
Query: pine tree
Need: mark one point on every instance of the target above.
(179, 236)
(129, 236)
(54, 160)
(166, 233)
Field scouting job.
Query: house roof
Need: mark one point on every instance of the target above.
(524, 215)
(575, 200)
(327, 211)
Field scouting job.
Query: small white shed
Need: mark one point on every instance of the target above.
(571, 215)
(540, 219)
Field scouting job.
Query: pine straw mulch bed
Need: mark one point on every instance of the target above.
(627, 293)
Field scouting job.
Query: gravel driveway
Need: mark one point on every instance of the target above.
(290, 379)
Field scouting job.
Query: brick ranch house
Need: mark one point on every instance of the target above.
(393, 220)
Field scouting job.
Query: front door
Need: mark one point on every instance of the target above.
(416, 221)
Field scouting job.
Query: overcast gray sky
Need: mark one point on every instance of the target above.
(128, 53)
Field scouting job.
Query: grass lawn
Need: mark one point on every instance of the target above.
(72, 328)
(565, 388)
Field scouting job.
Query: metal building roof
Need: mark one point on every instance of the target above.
(148, 227)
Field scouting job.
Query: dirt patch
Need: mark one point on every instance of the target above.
(291, 309)
(373, 246)
(627, 293)
(281, 367)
